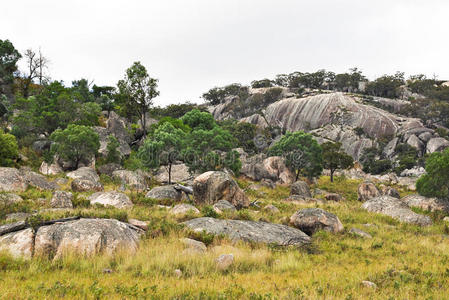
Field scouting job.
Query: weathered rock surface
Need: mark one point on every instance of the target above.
(9, 198)
(139, 224)
(271, 209)
(19, 244)
(300, 188)
(390, 191)
(109, 168)
(193, 245)
(424, 203)
(223, 206)
(115, 199)
(224, 261)
(179, 173)
(133, 179)
(310, 220)
(360, 233)
(273, 168)
(213, 186)
(124, 149)
(39, 181)
(61, 199)
(437, 144)
(259, 232)
(165, 192)
(183, 208)
(118, 127)
(85, 237)
(50, 169)
(12, 180)
(366, 191)
(396, 209)
(333, 197)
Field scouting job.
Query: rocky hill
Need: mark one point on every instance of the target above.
(354, 121)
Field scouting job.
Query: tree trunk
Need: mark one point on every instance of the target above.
(169, 173)
(332, 175)
(144, 124)
(297, 175)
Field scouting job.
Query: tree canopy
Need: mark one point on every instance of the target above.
(302, 153)
(75, 143)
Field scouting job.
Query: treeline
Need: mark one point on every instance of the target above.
(388, 86)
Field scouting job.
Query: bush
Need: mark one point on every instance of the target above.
(436, 182)
(9, 151)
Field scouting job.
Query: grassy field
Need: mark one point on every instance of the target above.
(405, 261)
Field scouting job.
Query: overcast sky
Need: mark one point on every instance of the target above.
(194, 45)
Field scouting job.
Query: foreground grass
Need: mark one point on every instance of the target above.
(405, 261)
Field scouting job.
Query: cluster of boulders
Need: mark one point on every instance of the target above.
(215, 188)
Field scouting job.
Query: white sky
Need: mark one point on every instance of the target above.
(194, 45)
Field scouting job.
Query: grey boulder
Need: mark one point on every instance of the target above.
(300, 188)
(311, 220)
(396, 209)
(165, 192)
(114, 199)
(250, 231)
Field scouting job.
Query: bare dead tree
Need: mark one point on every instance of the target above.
(37, 66)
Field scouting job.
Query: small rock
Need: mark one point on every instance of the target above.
(140, 224)
(300, 188)
(178, 273)
(366, 191)
(333, 197)
(389, 191)
(165, 192)
(52, 169)
(20, 216)
(107, 271)
(360, 233)
(115, 199)
(222, 206)
(196, 246)
(369, 284)
(61, 181)
(83, 185)
(272, 209)
(301, 200)
(446, 219)
(182, 209)
(133, 179)
(224, 261)
(61, 199)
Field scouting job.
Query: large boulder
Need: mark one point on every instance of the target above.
(311, 220)
(300, 188)
(366, 191)
(118, 127)
(133, 179)
(86, 237)
(213, 186)
(85, 179)
(39, 181)
(108, 169)
(179, 173)
(61, 199)
(115, 199)
(124, 149)
(12, 180)
(273, 168)
(18, 244)
(396, 209)
(250, 231)
(437, 144)
(428, 204)
(165, 192)
(50, 169)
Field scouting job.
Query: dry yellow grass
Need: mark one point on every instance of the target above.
(405, 261)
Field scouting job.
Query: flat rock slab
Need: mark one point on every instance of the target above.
(115, 199)
(250, 231)
(12, 180)
(18, 244)
(396, 209)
